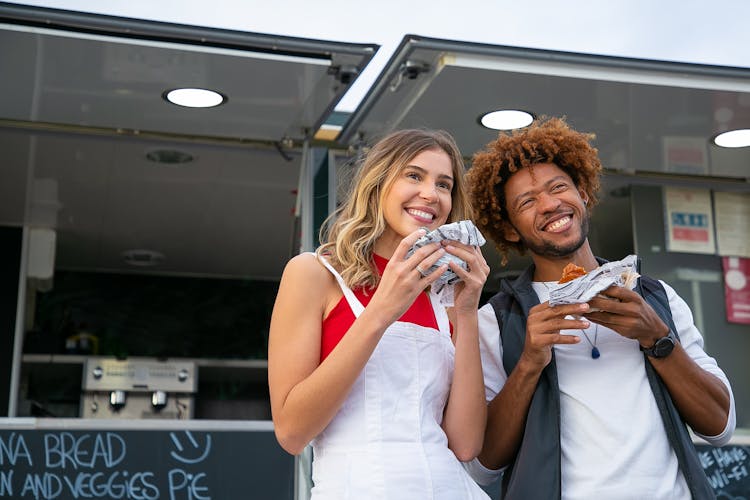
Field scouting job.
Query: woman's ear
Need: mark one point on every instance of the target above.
(510, 234)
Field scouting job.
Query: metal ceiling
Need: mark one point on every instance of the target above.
(81, 108)
(638, 109)
(653, 120)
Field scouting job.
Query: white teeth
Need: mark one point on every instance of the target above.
(421, 214)
(558, 224)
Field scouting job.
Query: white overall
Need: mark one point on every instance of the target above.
(386, 441)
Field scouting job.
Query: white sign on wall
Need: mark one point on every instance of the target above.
(685, 155)
(733, 223)
(689, 220)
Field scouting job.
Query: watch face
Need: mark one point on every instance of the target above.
(663, 347)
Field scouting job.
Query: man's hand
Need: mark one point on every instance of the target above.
(543, 330)
(627, 313)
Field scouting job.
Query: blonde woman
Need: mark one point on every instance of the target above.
(362, 359)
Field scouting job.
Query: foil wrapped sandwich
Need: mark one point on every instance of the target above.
(462, 231)
(577, 286)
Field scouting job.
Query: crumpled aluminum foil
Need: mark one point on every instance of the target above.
(621, 273)
(462, 231)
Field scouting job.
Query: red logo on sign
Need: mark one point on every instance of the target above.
(685, 234)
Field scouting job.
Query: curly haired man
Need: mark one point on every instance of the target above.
(585, 400)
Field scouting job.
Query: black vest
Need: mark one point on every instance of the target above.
(535, 472)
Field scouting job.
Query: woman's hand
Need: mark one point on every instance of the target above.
(402, 278)
(466, 412)
(468, 291)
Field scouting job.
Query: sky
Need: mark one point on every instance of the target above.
(711, 32)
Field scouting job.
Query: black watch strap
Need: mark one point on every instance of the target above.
(662, 347)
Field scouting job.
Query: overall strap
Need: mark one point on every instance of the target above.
(677, 433)
(354, 303)
(441, 315)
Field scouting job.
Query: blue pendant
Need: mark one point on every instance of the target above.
(595, 352)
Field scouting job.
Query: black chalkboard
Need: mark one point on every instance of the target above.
(144, 465)
(727, 469)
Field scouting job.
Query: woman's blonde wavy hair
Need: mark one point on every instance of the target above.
(349, 233)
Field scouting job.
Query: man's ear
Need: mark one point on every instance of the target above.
(510, 234)
(584, 196)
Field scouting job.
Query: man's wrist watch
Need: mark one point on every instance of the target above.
(662, 347)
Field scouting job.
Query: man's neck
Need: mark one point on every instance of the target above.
(550, 268)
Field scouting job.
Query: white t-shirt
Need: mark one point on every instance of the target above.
(612, 437)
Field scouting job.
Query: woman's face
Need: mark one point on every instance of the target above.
(420, 196)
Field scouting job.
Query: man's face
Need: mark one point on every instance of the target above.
(547, 211)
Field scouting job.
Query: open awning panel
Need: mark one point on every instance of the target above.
(648, 116)
(94, 151)
(653, 120)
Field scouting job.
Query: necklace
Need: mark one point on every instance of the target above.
(594, 350)
(595, 354)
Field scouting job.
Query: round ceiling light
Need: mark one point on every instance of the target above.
(195, 98)
(506, 119)
(733, 139)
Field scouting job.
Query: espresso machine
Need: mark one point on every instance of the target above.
(138, 388)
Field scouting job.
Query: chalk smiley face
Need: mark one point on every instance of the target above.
(189, 450)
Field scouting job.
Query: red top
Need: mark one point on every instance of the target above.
(341, 317)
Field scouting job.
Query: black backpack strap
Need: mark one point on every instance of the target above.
(509, 314)
(650, 287)
(534, 473)
(511, 305)
(653, 291)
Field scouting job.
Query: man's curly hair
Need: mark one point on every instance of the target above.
(548, 140)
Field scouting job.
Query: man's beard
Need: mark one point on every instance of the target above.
(550, 249)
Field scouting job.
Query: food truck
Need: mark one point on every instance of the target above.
(143, 236)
